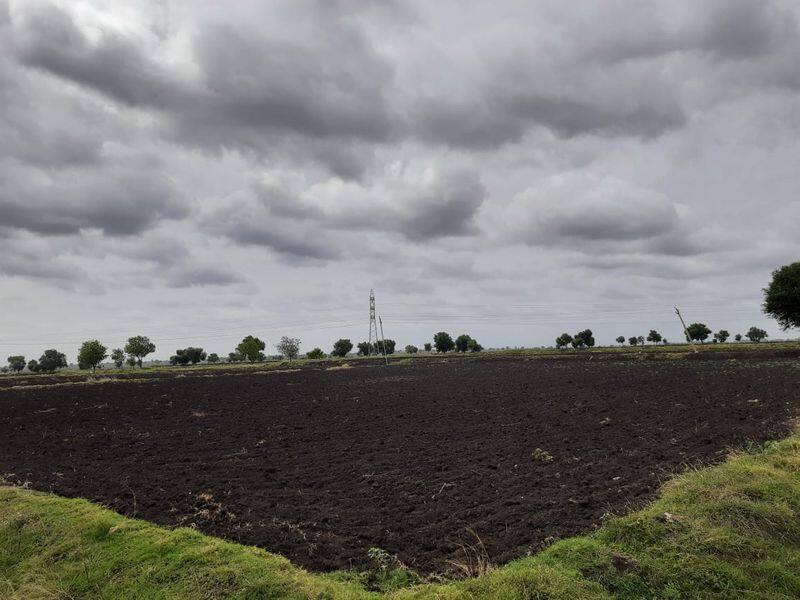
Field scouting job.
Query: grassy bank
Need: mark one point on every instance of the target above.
(731, 531)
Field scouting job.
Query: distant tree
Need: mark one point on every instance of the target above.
(138, 347)
(621, 340)
(213, 358)
(364, 349)
(289, 347)
(251, 348)
(641, 340)
(583, 339)
(196, 355)
(462, 342)
(91, 354)
(33, 366)
(698, 332)
(411, 349)
(315, 354)
(427, 346)
(664, 341)
(633, 340)
(49, 361)
(131, 361)
(342, 348)
(474, 346)
(389, 345)
(443, 342)
(754, 334)
(563, 340)
(118, 356)
(235, 357)
(738, 337)
(782, 296)
(722, 335)
(16, 363)
(654, 336)
(184, 356)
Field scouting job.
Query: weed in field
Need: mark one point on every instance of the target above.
(475, 561)
(543, 456)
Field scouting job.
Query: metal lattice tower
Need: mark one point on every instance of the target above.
(373, 330)
(373, 325)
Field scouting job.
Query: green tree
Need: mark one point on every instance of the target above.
(91, 354)
(654, 336)
(782, 296)
(563, 340)
(387, 343)
(33, 366)
(342, 348)
(49, 361)
(462, 342)
(315, 354)
(738, 337)
(474, 346)
(427, 346)
(583, 338)
(138, 347)
(754, 334)
(184, 356)
(16, 363)
(633, 340)
(131, 361)
(118, 356)
(722, 335)
(235, 357)
(621, 340)
(364, 348)
(443, 342)
(213, 358)
(289, 347)
(251, 348)
(698, 332)
(411, 349)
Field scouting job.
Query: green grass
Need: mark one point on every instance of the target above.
(731, 531)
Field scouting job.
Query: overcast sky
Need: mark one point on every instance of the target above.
(198, 171)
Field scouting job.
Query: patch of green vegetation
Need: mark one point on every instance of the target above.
(731, 531)
(541, 455)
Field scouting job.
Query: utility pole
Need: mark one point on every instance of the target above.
(685, 329)
(383, 342)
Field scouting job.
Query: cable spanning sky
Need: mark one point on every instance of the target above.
(198, 171)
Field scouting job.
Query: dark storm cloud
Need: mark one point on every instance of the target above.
(717, 29)
(246, 91)
(576, 207)
(420, 207)
(31, 259)
(47, 38)
(63, 203)
(502, 112)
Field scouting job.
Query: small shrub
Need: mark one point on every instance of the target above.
(540, 455)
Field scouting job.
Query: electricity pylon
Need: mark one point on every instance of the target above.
(373, 330)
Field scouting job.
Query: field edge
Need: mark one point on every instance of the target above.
(732, 530)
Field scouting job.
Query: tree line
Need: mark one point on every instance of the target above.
(781, 302)
(92, 353)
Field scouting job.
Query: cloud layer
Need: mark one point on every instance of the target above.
(455, 155)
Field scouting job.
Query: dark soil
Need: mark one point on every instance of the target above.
(320, 465)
